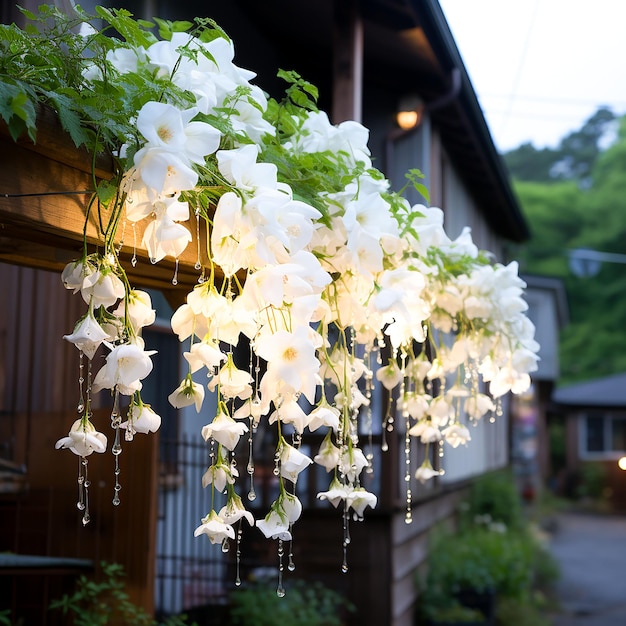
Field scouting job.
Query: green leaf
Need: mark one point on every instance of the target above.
(70, 119)
(106, 191)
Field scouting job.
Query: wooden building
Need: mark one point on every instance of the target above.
(591, 415)
(366, 57)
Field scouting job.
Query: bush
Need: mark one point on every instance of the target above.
(495, 498)
(105, 601)
(493, 552)
(304, 604)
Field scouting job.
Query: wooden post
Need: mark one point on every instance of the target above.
(348, 62)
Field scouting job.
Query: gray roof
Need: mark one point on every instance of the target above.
(602, 392)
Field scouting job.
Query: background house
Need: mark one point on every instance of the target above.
(365, 57)
(592, 417)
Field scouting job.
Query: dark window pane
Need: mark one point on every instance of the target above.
(619, 435)
(595, 434)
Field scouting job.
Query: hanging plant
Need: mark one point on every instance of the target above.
(304, 252)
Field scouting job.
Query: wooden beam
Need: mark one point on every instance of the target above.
(347, 62)
(44, 192)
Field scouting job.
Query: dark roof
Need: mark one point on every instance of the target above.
(601, 392)
(407, 47)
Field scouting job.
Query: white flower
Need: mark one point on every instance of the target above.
(233, 382)
(329, 454)
(234, 511)
(88, 335)
(456, 434)
(352, 463)
(426, 431)
(478, 405)
(204, 354)
(220, 475)
(240, 168)
(214, 527)
(359, 499)
(186, 394)
(336, 493)
(425, 472)
(225, 430)
(186, 322)
(74, 274)
(83, 439)
(142, 419)
(291, 362)
(139, 309)
(292, 461)
(390, 375)
(290, 412)
(275, 525)
(125, 366)
(102, 288)
(324, 415)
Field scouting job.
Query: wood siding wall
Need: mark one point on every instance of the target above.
(38, 396)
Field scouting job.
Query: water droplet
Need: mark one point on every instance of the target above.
(346, 541)
(81, 480)
(80, 408)
(116, 449)
(280, 592)
(225, 545)
(129, 436)
(153, 260)
(384, 447)
(292, 566)
(86, 519)
(251, 496)
(87, 484)
(80, 506)
(250, 468)
(238, 582)
(118, 487)
(118, 471)
(276, 471)
(344, 569)
(116, 500)
(198, 266)
(133, 261)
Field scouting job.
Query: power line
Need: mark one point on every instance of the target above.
(522, 61)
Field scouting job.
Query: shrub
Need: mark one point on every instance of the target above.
(304, 604)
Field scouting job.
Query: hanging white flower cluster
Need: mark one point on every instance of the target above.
(333, 282)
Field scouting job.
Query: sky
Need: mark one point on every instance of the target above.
(541, 68)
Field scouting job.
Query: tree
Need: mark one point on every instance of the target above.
(574, 158)
(584, 209)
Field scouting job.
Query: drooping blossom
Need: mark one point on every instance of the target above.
(187, 393)
(142, 419)
(215, 528)
(83, 439)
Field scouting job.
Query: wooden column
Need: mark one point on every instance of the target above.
(348, 62)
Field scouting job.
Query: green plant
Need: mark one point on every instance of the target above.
(304, 604)
(515, 612)
(5, 617)
(458, 614)
(494, 497)
(105, 600)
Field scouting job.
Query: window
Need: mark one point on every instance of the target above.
(602, 435)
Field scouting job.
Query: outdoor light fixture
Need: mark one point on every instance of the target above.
(410, 110)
